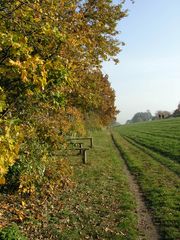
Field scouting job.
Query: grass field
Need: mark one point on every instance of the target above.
(160, 136)
(152, 153)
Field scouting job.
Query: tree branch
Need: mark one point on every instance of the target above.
(5, 55)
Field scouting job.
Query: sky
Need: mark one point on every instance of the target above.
(148, 76)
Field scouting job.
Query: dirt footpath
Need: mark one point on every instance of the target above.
(146, 226)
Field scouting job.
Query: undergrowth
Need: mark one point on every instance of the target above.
(97, 204)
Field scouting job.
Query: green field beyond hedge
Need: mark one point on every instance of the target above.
(152, 153)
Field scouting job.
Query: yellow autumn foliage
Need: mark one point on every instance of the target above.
(51, 53)
(10, 140)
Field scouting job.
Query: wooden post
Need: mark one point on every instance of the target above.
(84, 156)
(91, 142)
(80, 146)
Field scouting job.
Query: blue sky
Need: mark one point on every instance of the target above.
(148, 76)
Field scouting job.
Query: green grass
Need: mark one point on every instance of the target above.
(157, 174)
(173, 166)
(11, 232)
(160, 136)
(101, 205)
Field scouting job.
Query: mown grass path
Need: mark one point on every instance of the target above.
(101, 206)
(106, 202)
(145, 223)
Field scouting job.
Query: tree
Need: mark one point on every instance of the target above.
(141, 116)
(47, 44)
(176, 113)
(50, 59)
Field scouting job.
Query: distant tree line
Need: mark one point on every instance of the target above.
(147, 116)
(141, 117)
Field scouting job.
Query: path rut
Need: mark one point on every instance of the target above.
(146, 227)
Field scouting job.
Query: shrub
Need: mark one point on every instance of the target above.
(11, 232)
(10, 140)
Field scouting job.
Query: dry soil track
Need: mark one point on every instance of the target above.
(146, 226)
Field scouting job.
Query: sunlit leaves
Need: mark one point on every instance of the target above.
(10, 140)
(51, 54)
(2, 100)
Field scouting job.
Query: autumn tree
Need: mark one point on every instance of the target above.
(50, 59)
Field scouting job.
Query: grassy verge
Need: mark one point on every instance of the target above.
(159, 185)
(101, 205)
